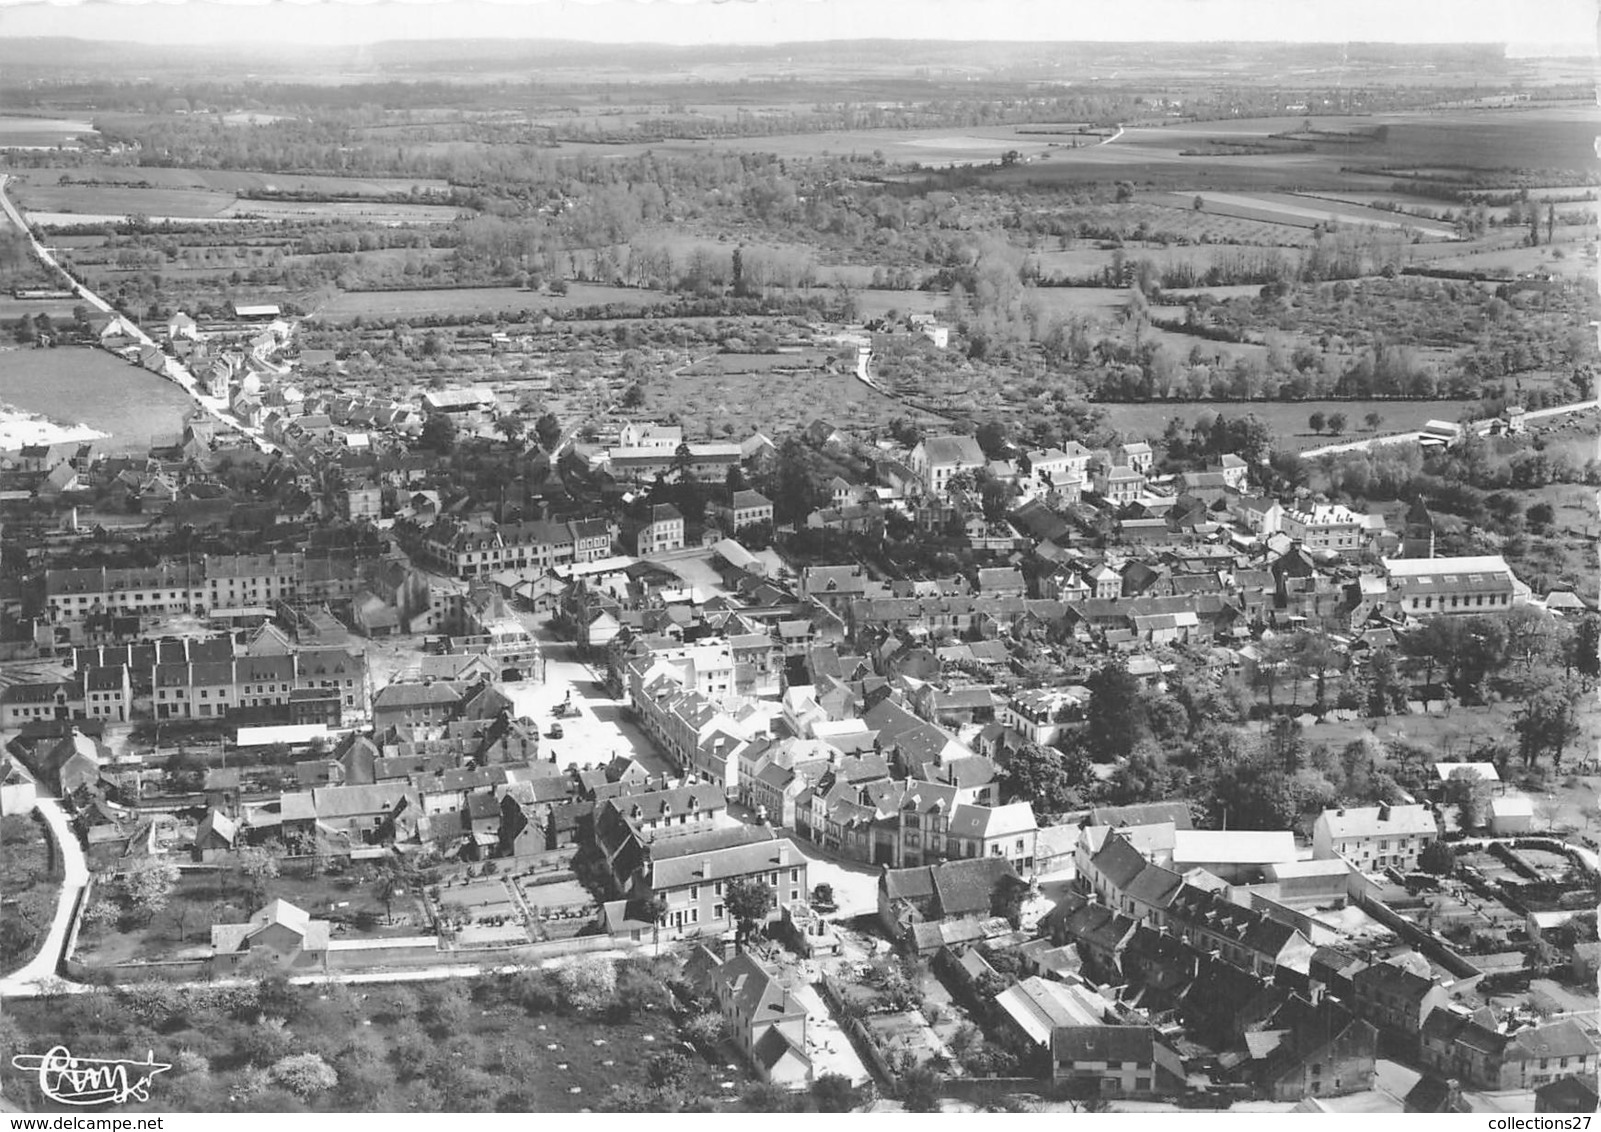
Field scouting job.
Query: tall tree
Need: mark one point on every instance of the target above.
(547, 430)
(1115, 716)
(749, 902)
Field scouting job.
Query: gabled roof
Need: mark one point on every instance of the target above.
(1119, 862)
(1071, 1044)
(1148, 813)
(1379, 821)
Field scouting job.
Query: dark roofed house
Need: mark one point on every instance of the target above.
(1567, 1094)
(1148, 813)
(1116, 1061)
(947, 891)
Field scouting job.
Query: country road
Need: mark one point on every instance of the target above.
(74, 877)
(174, 371)
(1482, 427)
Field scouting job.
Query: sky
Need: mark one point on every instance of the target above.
(776, 21)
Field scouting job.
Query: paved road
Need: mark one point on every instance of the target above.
(217, 407)
(74, 876)
(1482, 427)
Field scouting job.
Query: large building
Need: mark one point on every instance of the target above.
(938, 458)
(1423, 587)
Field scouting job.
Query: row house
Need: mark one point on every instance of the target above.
(1397, 999)
(34, 702)
(72, 595)
(1243, 937)
(326, 682)
(707, 463)
(251, 583)
(1462, 1049)
(481, 547)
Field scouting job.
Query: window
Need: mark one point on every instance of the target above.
(694, 892)
(717, 911)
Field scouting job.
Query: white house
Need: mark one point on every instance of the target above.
(1375, 837)
(938, 458)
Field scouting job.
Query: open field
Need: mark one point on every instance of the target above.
(230, 181)
(1540, 137)
(12, 309)
(37, 133)
(1306, 212)
(477, 300)
(188, 206)
(937, 148)
(1286, 419)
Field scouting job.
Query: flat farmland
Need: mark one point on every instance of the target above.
(1515, 259)
(1547, 137)
(234, 181)
(477, 300)
(26, 308)
(27, 132)
(1285, 419)
(974, 146)
(112, 200)
(1303, 211)
(66, 205)
(373, 212)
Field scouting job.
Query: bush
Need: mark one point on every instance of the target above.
(706, 1029)
(304, 1074)
(589, 983)
(668, 1070)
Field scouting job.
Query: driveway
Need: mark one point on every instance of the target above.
(830, 1050)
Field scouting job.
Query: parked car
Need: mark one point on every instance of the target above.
(555, 731)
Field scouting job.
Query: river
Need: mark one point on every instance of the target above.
(83, 385)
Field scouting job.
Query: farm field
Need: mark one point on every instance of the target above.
(476, 300)
(1286, 419)
(1306, 211)
(11, 309)
(71, 205)
(977, 146)
(227, 181)
(1536, 137)
(27, 132)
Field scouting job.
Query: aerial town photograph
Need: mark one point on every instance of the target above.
(800, 556)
